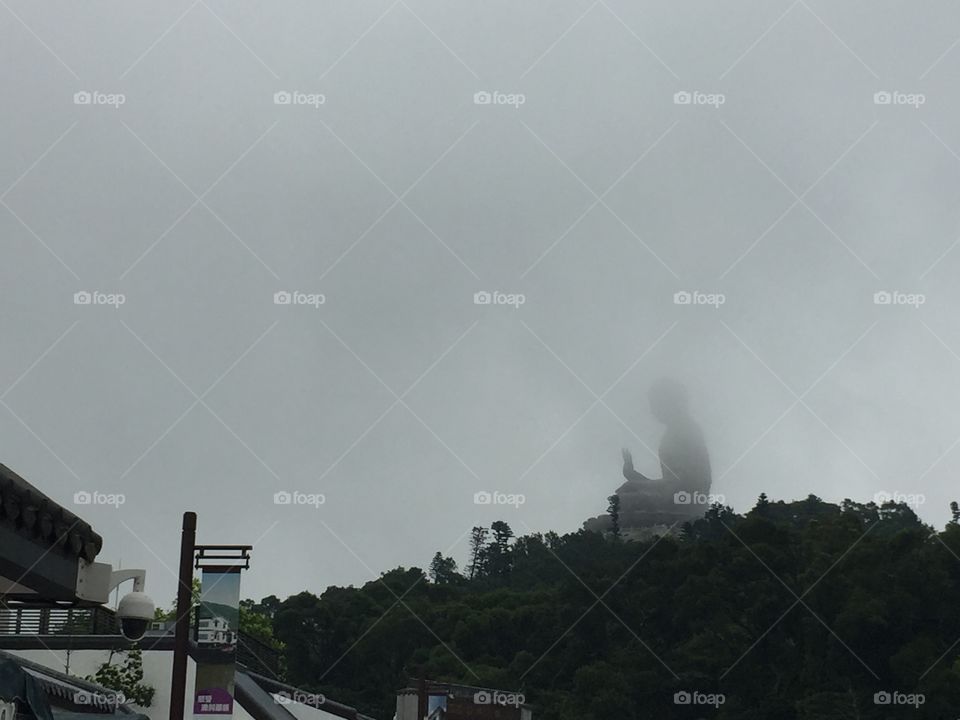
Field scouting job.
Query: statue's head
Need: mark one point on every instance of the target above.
(668, 400)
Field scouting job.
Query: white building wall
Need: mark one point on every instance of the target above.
(407, 707)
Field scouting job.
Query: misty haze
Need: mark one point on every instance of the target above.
(558, 359)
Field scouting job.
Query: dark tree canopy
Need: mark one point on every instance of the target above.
(714, 610)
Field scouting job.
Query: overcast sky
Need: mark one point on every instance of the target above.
(785, 189)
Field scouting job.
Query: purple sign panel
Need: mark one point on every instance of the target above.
(214, 701)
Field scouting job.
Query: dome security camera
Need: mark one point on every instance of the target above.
(135, 613)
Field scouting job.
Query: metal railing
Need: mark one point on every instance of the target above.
(24, 619)
(258, 656)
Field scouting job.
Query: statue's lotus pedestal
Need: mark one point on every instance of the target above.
(642, 525)
(652, 532)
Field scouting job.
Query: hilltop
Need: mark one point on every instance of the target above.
(792, 611)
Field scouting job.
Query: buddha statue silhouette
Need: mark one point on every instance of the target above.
(681, 492)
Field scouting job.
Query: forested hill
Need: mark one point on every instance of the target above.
(802, 610)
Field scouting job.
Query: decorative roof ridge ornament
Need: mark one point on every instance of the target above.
(42, 520)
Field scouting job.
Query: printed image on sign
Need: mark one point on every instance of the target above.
(218, 622)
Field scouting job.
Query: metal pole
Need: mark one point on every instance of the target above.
(178, 683)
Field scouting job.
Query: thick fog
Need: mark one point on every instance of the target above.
(383, 162)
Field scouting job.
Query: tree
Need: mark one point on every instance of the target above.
(162, 615)
(502, 535)
(613, 510)
(497, 553)
(709, 605)
(443, 570)
(257, 626)
(256, 619)
(267, 607)
(478, 539)
(126, 678)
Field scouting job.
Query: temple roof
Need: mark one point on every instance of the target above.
(42, 693)
(33, 515)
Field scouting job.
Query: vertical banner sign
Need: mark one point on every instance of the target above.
(217, 626)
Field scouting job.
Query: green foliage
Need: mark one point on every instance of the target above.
(613, 510)
(497, 557)
(443, 570)
(257, 625)
(125, 678)
(715, 610)
(267, 607)
(162, 615)
(478, 540)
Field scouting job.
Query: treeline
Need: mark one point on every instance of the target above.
(794, 611)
